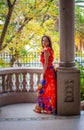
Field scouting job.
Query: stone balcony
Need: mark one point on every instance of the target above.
(18, 85)
(18, 88)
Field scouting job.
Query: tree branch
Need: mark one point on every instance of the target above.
(13, 2)
(5, 26)
(11, 7)
(9, 3)
(20, 29)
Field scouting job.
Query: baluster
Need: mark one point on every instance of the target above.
(10, 82)
(17, 83)
(7, 82)
(31, 83)
(3, 83)
(24, 82)
(38, 78)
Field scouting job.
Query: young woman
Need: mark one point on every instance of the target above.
(46, 98)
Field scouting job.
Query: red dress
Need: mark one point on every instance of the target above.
(46, 92)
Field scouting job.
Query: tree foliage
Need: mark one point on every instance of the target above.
(24, 23)
(79, 27)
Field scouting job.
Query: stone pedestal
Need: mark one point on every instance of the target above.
(68, 91)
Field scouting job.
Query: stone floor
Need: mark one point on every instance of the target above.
(22, 117)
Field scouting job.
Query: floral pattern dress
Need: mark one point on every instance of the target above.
(46, 91)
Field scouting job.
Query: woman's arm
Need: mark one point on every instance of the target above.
(46, 57)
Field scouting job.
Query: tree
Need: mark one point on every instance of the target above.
(10, 10)
(29, 21)
(79, 27)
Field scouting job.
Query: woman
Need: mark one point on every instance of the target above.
(46, 102)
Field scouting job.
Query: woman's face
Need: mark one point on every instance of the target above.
(45, 42)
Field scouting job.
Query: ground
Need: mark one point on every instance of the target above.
(22, 117)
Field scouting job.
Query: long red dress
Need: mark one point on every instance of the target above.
(46, 92)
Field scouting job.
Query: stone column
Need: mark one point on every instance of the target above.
(68, 76)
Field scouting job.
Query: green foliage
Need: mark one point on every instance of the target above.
(82, 84)
(2, 63)
(30, 20)
(81, 68)
(79, 26)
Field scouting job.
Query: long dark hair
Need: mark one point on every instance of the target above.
(49, 40)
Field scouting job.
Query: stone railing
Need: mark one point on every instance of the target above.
(19, 84)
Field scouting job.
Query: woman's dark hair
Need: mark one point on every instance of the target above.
(49, 40)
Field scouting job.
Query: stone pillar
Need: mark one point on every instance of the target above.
(68, 76)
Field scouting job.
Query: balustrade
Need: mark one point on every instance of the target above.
(20, 81)
(15, 79)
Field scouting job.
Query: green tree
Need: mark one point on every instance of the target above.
(8, 17)
(79, 27)
(29, 21)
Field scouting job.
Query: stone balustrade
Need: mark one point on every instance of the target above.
(18, 84)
